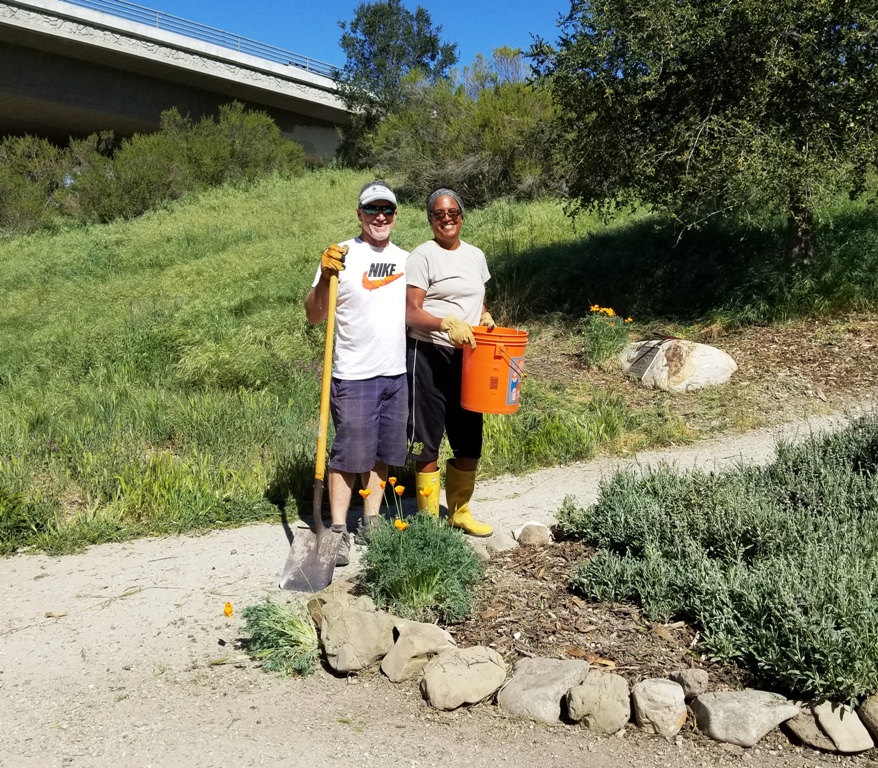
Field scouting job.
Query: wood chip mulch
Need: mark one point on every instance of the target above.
(526, 608)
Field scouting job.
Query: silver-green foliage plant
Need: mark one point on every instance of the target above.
(282, 637)
(777, 564)
(426, 572)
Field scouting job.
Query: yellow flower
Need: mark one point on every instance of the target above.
(426, 492)
(608, 311)
(629, 320)
(391, 480)
(595, 307)
(399, 490)
(382, 483)
(401, 525)
(228, 610)
(364, 492)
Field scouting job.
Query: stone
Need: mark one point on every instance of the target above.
(337, 596)
(677, 365)
(868, 712)
(415, 644)
(804, 727)
(692, 681)
(659, 706)
(480, 549)
(460, 676)
(354, 640)
(842, 724)
(602, 702)
(741, 717)
(533, 534)
(539, 686)
(364, 603)
(501, 542)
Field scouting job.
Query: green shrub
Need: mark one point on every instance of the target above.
(426, 572)
(31, 172)
(778, 565)
(255, 144)
(282, 637)
(98, 179)
(604, 335)
(486, 137)
(145, 170)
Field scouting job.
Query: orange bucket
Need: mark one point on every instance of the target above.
(492, 372)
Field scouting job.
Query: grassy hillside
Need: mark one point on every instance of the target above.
(158, 375)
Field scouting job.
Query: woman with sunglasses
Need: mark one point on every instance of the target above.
(445, 297)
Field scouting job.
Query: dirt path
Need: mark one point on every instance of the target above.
(122, 656)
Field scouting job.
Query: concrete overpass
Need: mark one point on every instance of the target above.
(72, 68)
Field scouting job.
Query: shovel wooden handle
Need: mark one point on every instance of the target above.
(323, 426)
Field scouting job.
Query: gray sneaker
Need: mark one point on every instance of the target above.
(344, 550)
(365, 528)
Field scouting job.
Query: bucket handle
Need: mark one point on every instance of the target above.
(512, 364)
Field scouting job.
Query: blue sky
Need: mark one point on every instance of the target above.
(310, 27)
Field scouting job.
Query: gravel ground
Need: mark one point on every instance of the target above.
(121, 655)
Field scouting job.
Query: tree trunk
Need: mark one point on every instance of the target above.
(800, 233)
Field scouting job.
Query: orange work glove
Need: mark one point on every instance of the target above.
(332, 260)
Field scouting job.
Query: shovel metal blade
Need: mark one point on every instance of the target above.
(311, 560)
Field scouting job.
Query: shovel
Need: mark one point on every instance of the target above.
(311, 560)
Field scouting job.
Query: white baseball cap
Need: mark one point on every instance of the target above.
(376, 192)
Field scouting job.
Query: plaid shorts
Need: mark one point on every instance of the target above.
(370, 419)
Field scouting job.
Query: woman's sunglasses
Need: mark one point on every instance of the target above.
(451, 213)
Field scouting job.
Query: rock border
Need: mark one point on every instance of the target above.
(356, 636)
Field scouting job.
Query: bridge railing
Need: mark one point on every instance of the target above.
(169, 23)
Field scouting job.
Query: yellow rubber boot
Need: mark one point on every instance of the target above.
(427, 484)
(459, 487)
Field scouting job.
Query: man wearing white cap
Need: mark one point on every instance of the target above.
(369, 393)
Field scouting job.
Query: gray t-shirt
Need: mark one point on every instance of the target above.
(454, 282)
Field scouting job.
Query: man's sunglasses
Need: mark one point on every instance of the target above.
(374, 210)
(451, 213)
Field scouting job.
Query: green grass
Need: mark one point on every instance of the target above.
(777, 565)
(158, 375)
(639, 266)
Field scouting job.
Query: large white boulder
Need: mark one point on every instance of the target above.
(677, 365)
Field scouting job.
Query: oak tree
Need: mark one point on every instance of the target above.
(701, 108)
(382, 44)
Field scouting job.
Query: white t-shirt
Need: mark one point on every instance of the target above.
(370, 313)
(454, 282)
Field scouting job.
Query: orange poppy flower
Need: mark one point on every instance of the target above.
(426, 492)
(391, 480)
(401, 525)
(364, 492)
(228, 610)
(399, 490)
